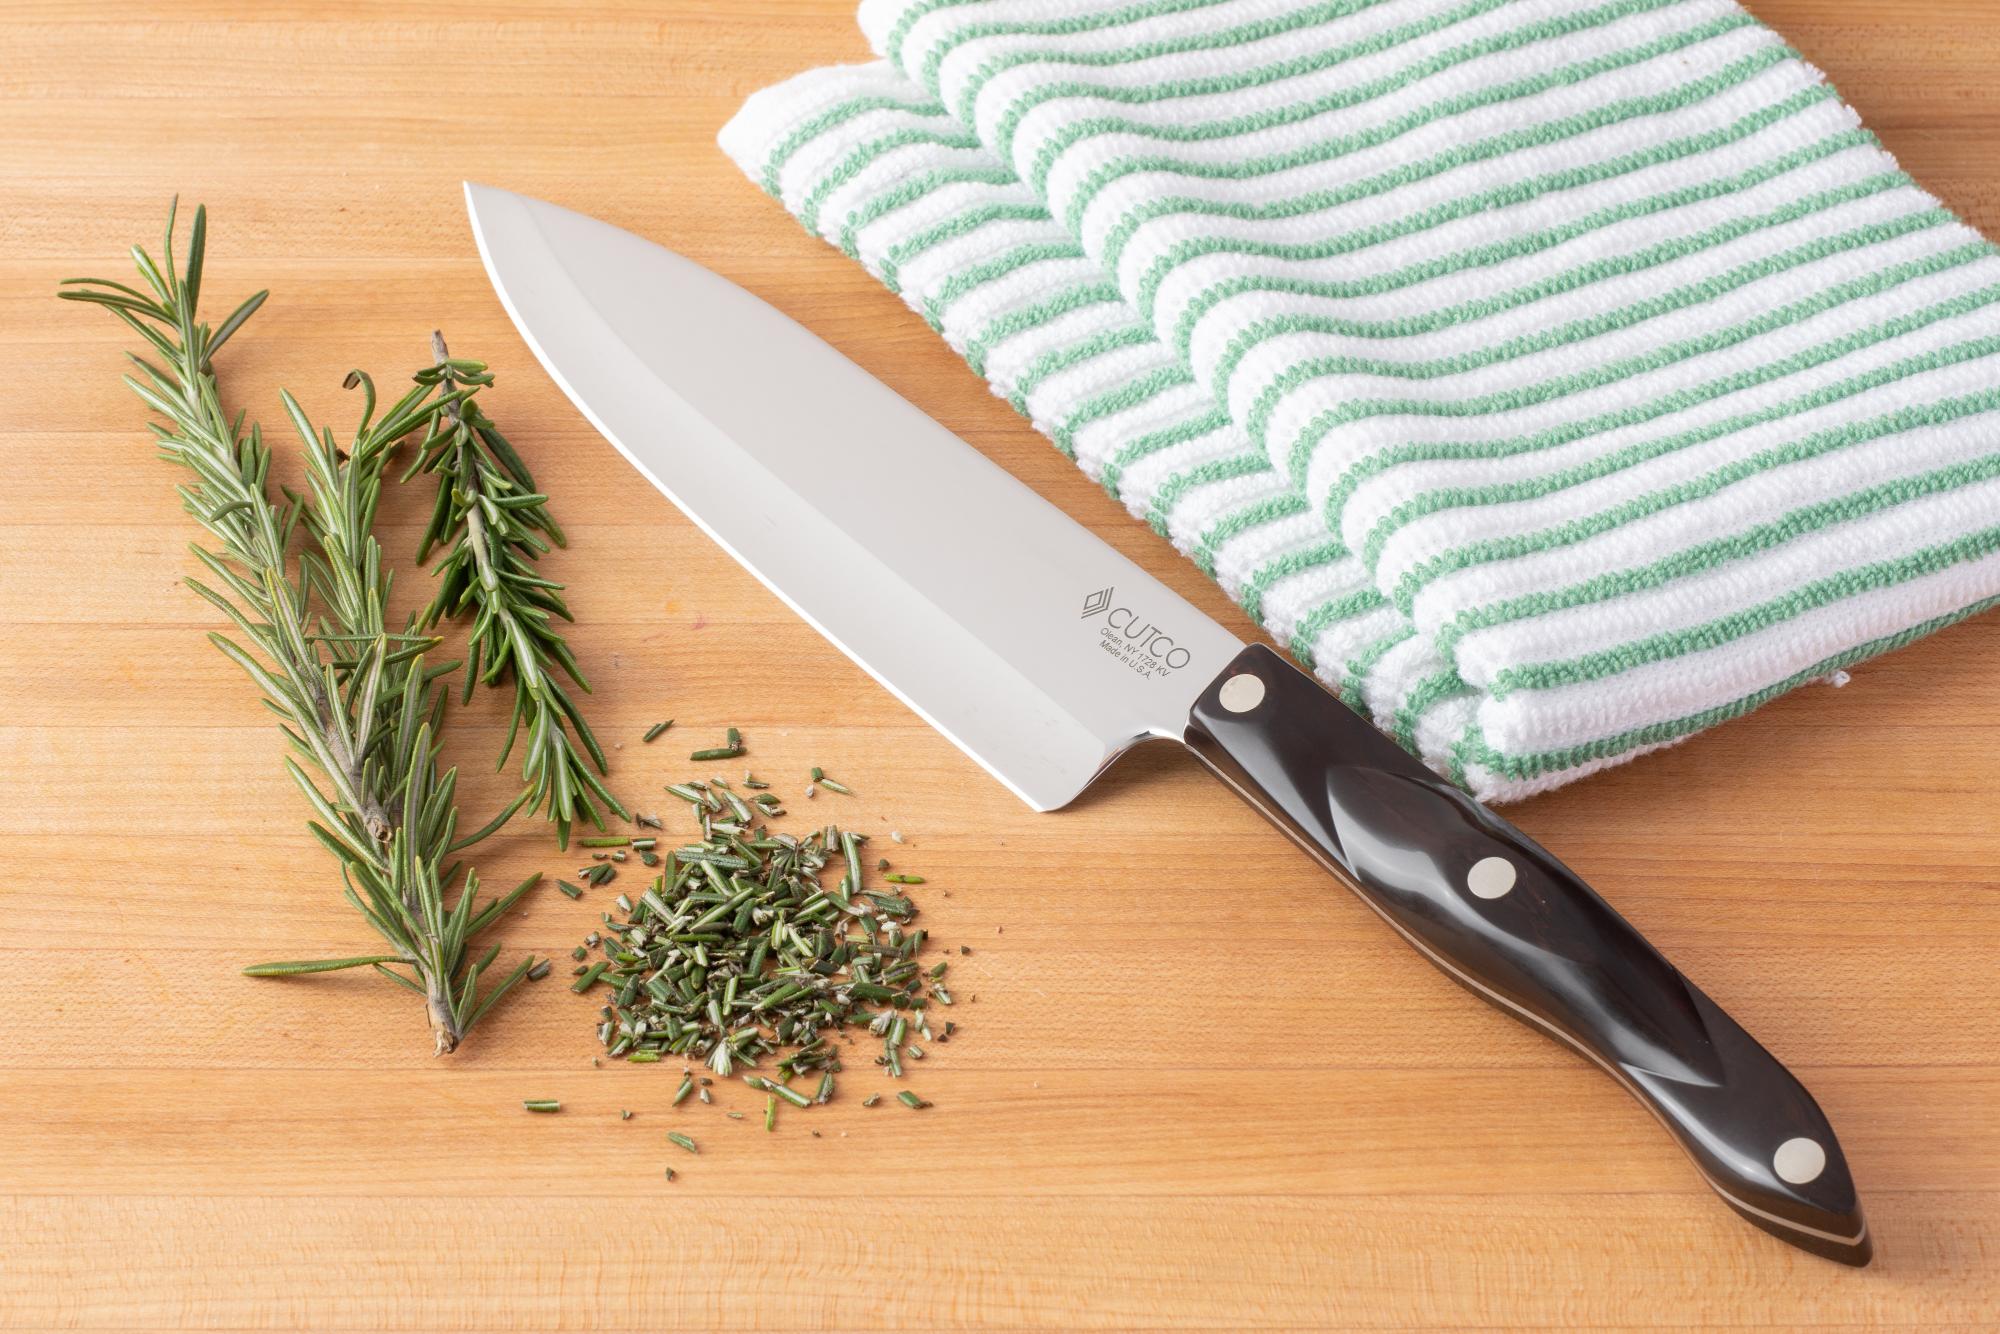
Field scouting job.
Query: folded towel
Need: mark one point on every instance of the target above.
(1556, 379)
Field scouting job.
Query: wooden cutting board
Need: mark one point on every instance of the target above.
(1196, 1086)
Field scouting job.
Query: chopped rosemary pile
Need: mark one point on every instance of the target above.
(750, 944)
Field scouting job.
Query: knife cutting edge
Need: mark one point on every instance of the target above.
(1044, 655)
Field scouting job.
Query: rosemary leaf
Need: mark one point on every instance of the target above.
(317, 966)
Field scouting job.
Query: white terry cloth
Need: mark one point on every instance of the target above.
(1555, 378)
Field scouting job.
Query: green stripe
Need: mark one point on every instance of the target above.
(1153, 442)
(1414, 580)
(1571, 280)
(1013, 323)
(1503, 197)
(1738, 624)
(1283, 567)
(1021, 321)
(1361, 665)
(909, 192)
(1613, 372)
(1721, 551)
(927, 71)
(1003, 327)
(1259, 587)
(1200, 131)
(859, 160)
(1447, 683)
(1456, 770)
(813, 127)
(1059, 359)
(1576, 331)
(1497, 253)
(1114, 401)
(1185, 45)
(1245, 33)
(1000, 266)
(1262, 30)
(1326, 150)
(920, 187)
(1533, 764)
(1160, 380)
(1483, 257)
(1306, 633)
(1681, 400)
(1667, 252)
(951, 229)
(1286, 504)
(1313, 62)
(1138, 391)
(1473, 205)
(1792, 451)
(839, 115)
(909, 18)
(1433, 689)
(1215, 470)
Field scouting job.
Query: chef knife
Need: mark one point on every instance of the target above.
(1044, 654)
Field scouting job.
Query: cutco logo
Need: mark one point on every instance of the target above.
(1131, 639)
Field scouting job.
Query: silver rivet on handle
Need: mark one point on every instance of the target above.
(1241, 692)
(1799, 1161)
(1490, 877)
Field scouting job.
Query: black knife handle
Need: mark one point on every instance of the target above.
(1491, 907)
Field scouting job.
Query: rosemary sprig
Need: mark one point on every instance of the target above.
(356, 702)
(497, 526)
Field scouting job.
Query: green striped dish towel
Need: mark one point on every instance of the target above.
(1555, 378)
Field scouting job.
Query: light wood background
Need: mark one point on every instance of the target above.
(1199, 1086)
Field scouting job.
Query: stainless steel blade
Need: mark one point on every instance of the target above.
(1037, 649)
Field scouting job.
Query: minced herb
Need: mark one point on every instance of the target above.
(751, 946)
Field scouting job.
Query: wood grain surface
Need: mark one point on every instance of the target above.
(1199, 1086)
